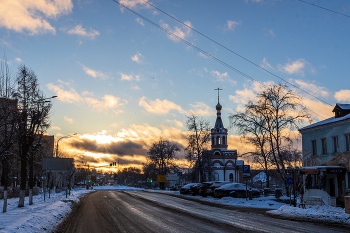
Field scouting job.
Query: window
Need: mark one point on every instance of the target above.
(347, 142)
(231, 177)
(314, 149)
(217, 140)
(212, 140)
(335, 144)
(324, 146)
(223, 141)
(216, 176)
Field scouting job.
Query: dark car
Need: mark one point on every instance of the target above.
(207, 188)
(194, 190)
(186, 188)
(235, 190)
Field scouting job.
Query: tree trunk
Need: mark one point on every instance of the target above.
(30, 196)
(23, 178)
(31, 180)
(22, 194)
(5, 202)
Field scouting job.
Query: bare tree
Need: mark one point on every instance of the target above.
(251, 126)
(162, 154)
(32, 123)
(8, 116)
(198, 140)
(280, 111)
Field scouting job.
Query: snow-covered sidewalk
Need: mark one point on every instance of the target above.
(327, 214)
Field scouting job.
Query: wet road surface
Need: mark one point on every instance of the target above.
(115, 211)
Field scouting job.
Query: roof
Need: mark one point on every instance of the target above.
(218, 123)
(342, 106)
(325, 122)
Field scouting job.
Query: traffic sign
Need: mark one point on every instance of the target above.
(246, 171)
(290, 180)
(89, 177)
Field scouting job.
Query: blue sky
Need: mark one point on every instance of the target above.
(119, 79)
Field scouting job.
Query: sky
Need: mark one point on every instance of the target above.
(122, 82)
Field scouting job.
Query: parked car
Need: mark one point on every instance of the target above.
(235, 190)
(194, 190)
(186, 188)
(207, 188)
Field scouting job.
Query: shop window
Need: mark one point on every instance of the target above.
(335, 144)
(324, 146)
(314, 148)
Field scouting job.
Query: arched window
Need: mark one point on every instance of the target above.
(212, 141)
(223, 141)
(216, 176)
(231, 177)
(217, 140)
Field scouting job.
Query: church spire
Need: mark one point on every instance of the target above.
(218, 133)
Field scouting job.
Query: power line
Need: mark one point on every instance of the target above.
(214, 58)
(324, 8)
(253, 63)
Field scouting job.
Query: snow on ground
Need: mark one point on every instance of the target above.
(314, 213)
(43, 215)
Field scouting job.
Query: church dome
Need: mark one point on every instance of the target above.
(218, 107)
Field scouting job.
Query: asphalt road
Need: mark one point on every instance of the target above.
(115, 211)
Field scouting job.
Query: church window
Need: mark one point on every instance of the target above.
(223, 141)
(218, 140)
(231, 177)
(212, 141)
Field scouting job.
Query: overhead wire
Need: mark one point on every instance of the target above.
(213, 57)
(324, 8)
(246, 59)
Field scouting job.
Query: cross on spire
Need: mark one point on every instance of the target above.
(218, 92)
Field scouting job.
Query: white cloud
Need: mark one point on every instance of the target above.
(200, 108)
(135, 88)
(70, 120)
(221, 77)
(70, 96)
(32, 15)
(159, 107)
(55, 127)
(314, 89)
(176, 122)
(242, 96)
(140, 21)
(342, 95)
(107, 102)
(18, 59)
(182, 33)
(271, 33)
(294, 67)
(130, 77)
(133, 4)
(137, 57)
(94, 73)
(264, 64)
(231, 25)
(80, 31)
(87, 93)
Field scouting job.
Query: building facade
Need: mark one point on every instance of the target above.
(326, 153)
(224, 163)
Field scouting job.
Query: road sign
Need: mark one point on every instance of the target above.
(171, 176)
(290, 180)
(162, 178)
(246, 171)
(179, 174)
(89, 177)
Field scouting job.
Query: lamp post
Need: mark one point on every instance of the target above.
(292, 171)
(68, 136)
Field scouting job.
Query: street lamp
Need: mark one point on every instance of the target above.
(68, 136)
(292, 171)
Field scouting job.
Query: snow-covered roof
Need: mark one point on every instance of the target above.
(327, 121)
(344, 106)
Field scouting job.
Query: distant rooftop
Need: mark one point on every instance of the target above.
(327, 121)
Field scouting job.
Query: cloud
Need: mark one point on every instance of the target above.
(314, 89)
(80, 31)
(294, 67)
(70, 96)
(183, 32)
(242, 96)
(231, 25)
(133, 4)
(159, 107)
(94, 73)
(140, 21)
(55, 127)
(137, 57)
(107, 102)
(135, 88)
(271, 33)
(342, 95)
(264, 64)
(130, 77)
(221, 77)
(320, 111)
(176, 122)
(32, 15)
(70, 120)
(18, 59)
(87, 93)
(201, 109)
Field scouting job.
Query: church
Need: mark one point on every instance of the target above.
(224, 163)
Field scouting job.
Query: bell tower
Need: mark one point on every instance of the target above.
(218, 133)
